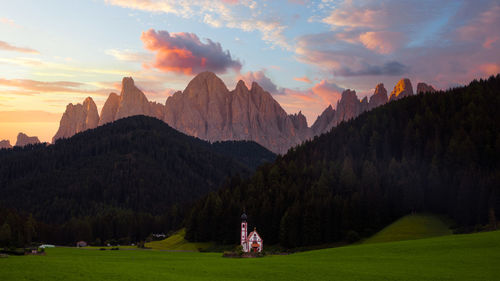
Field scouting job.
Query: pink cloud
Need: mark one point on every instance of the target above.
(483, 28)
(302, 79)
(382, 42)
(329, 92)
(490, 68)
(184, 53)
(8, 47)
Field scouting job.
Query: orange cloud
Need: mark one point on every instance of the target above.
(490, 68)
(8, 47)
(184, 53)
(329, 92)
(302, 79)
(382, 42)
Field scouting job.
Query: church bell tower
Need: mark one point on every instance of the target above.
(244, 233)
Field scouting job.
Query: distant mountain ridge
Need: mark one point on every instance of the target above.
(208, 110)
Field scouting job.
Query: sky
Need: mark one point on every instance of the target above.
(304, 52)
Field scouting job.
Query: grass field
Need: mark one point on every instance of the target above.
(176, 242)
(411, 227)
(453, 257)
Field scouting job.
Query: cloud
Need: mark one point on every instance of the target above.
(490, 68)
(483, 28)
(389, 68)
(302, 79)
(185, 53)
(128, 55)
(324, 93)
(329, 92)
(8, 47)
(246, 15)
(31, 87)
(261, 79)
(382, 42)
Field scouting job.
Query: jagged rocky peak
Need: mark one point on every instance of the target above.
(322, 123)
(5, 144)
(132, 100)
(348, 107)
(23, 139)
(127, 82)
(108, 111)
(77, 118)
(241, 86)
(299, 121)
(425, 88)
(402, 89)
(205, 83)
(379, 96)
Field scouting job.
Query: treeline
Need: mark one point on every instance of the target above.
(434, 152)
(119, 180)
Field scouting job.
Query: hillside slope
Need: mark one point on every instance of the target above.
(177, 242)
(434, 152)
(122, 173)
(410, 227)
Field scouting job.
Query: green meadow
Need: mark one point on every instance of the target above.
(177, 242)
(452, 257)
(411, 227)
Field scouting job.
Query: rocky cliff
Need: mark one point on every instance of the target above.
(424, 88)
(379, 97)
(208, 110)
(5, 144)
(130, 102)
(77, 118)
(402, 89)
(23, 139)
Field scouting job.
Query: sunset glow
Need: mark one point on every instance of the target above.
(305, 53)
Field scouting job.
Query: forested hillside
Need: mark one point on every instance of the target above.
(434, 152)
(122, 180)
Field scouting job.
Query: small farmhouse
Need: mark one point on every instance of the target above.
(81, 244)
(250, 242)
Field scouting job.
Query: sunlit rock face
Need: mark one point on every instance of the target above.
(324, 120)
(424, 88)
(208, 110)
(5, 144)
(77, 118)
(108, 111)
(348, 107)
(131, 101)
(23, 139)
(379, 97)
(402, 89)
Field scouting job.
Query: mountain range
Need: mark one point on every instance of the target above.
(207, 109)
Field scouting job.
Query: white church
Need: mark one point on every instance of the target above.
(251, 242)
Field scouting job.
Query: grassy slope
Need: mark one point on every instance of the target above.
(412, 227)
(176, 242)
(454, 257)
